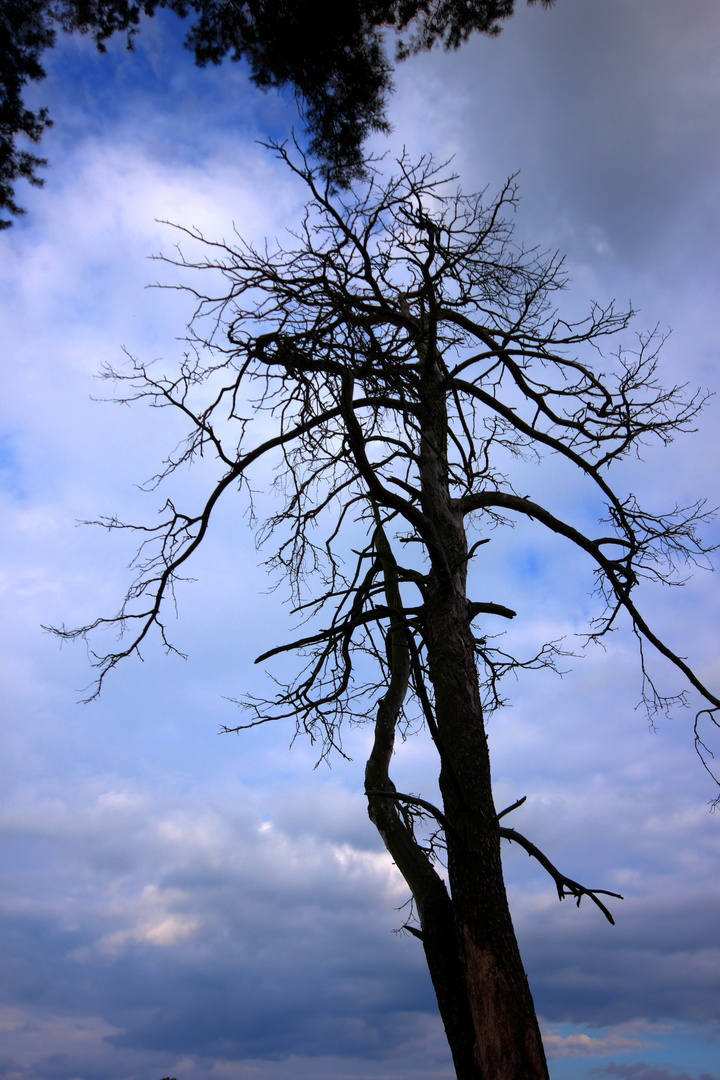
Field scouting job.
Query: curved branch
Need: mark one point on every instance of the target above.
(414, 865)
(622, 590)
(343, 629)
(476, 608)
(414, 800)
(377, 490)
(565, 885)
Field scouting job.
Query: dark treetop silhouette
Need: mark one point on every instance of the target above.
(330, 53)
(391, 366)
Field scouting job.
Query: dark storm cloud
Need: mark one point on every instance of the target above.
(660, 960)
(213, 935)
(624, 115)
(611, 112)
(244, 943)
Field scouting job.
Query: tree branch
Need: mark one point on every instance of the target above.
(565, 885)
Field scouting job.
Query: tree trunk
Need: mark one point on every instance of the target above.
(506, 1036)
(507, 1043)
(468, 936)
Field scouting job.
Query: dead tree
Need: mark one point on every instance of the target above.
(390, 365)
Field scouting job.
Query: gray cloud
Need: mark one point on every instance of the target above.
(610, 110)
(215, 936)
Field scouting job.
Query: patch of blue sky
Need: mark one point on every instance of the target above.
(156, 89)
(639, 1050)
(528, 566)
(11, 471)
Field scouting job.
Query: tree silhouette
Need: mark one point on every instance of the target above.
(391, 366)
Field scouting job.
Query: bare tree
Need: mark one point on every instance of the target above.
(391, 365)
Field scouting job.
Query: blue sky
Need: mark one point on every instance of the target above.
(176, 903)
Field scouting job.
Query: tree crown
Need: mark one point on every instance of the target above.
(389, 365)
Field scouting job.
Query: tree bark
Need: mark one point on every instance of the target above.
(506, 1041)
(434, 907)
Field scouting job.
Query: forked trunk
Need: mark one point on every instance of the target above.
(468, 937)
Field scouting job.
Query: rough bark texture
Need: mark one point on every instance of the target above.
(434, 907)
(469, 940)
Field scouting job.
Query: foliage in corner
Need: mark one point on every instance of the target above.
(331, 55)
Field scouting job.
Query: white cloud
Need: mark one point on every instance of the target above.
(622, 1040)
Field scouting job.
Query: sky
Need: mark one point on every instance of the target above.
(176, 903)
